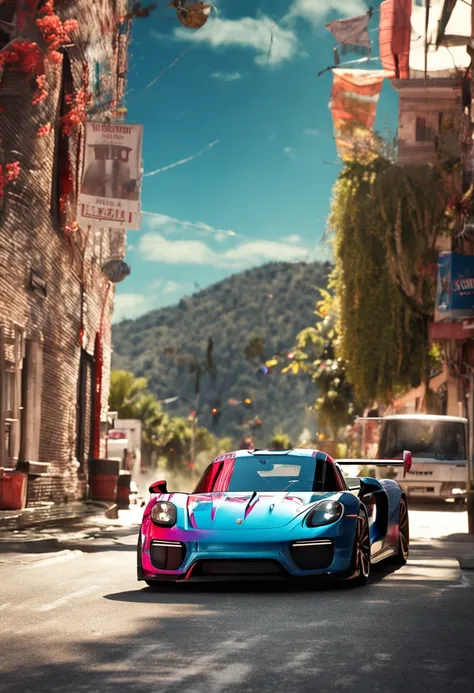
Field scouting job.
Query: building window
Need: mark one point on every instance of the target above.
(423, 130)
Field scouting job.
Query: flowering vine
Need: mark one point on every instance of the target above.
(8, 173)
(23, 55)
(56, 33)
(78, 103)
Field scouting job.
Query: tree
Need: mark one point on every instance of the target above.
(255, 349)
(314, 354)
(125, 390)
(280, 441)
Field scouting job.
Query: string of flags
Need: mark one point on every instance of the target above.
(352, 34)
(355, 92)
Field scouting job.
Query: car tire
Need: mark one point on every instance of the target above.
(401, 557)
(359, 572)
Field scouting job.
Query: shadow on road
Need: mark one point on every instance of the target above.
(250, 587)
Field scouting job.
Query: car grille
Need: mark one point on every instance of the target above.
(167, 555)
(314, 554)
(237, 568)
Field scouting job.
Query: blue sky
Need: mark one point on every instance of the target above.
(244, 95)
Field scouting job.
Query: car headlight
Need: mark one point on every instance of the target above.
(164, 514)
(324, 513)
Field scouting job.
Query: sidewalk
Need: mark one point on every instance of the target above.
(90, 531)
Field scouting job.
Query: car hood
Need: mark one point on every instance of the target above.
(250, 510)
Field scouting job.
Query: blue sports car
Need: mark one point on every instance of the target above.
(272, 515)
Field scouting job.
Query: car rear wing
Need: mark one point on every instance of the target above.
(405, 462)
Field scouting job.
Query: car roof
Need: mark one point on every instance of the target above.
(424, 417)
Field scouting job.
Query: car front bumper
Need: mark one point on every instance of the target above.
(197, 555)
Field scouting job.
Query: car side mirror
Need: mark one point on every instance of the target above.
(159, 487)
(370, 485)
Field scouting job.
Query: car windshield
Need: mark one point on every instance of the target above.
(268, 473)
(435, 439)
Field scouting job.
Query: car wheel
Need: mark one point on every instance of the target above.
(401, 556)
(139, 555)
(360, 564)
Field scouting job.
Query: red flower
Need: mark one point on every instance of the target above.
(12, 171)
(40, 94)
(44, 130)
(7, 174)
(55, 33)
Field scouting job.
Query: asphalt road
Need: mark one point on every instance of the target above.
(75, 622)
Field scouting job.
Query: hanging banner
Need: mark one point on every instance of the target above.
(354, 98)
(110, 190)
(352, 33)
(455, 294)
(394, 37)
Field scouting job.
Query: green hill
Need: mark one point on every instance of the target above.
(274, 301)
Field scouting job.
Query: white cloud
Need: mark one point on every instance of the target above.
(290, 153)
(165, 224)
(315, 11)
(167, 287)
(172, 287)
(157, 248)
(127, 306)
(311, 132)
(265, 251)
(293, 238)
(272, 43)
(226, 76)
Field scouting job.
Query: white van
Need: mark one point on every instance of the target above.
(439, 447)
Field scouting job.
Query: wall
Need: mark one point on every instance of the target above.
(37, 235)
(428, 100)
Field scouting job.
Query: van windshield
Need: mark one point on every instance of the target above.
(435, 439)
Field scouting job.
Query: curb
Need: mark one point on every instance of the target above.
(30, 545)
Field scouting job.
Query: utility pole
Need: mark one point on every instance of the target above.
(427, 21)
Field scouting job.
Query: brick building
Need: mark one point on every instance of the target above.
(55, 303)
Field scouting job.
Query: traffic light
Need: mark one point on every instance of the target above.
(257, 423)
(216, 415)
(290, 356)
(248, 402)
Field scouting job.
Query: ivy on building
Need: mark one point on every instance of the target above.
(386, 220)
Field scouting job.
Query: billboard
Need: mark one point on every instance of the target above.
(455, 289)
(110, 189)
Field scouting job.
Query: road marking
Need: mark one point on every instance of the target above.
(64, 600)
(61, 557)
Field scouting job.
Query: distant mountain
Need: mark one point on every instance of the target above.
(274, 301)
